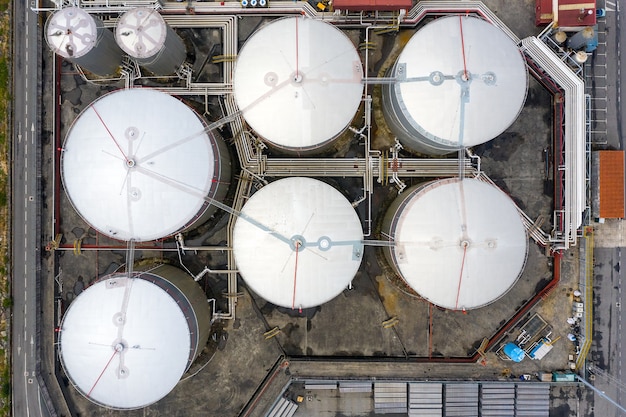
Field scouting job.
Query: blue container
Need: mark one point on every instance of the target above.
(514, 352)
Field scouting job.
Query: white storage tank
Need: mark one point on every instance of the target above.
(126, 341)
(459, 82)
(138, 163)
(83, 40)
(460, 244)
(145, 36)
(298, 242)
(298, 83)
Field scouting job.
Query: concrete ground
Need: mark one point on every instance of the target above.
(231, 375)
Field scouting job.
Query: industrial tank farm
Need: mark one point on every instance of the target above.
(460, 244)
(298, 242)
(126, 341)
(138, 165)
(331, 241)
(297, 82)
(459, 82)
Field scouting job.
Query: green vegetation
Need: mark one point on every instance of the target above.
(5, 296)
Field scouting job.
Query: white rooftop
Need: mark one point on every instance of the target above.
(444, 106)
(141, 32)
(71, 32)
(298, 82)
(313, 215)
(137, 164)
(459, 244)
(124, 365)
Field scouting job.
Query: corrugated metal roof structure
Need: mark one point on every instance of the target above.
(461, 400)
(390, 397)
(532, 400)
(611, 184)
(425, 399)
(569, 13)
(497, 400)
(511, 398)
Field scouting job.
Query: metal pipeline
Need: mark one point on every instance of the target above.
(208, 270)
(180, 241)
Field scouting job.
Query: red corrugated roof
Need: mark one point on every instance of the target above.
(611, 184)
(367, 5)
(571, 13)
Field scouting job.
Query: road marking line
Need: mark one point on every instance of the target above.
(26, 385)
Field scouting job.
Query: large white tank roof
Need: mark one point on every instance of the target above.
(71, 32)
(127, 364)
(461, 81)
(313, 215)
(137, 165)
(459, 244)
(298, 82)
(141, 32)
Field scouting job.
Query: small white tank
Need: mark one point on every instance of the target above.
(145, 36)
(298, 83)
(298, 242)
(83, 40)
(460, 244)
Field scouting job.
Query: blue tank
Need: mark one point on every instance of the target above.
(514, 352)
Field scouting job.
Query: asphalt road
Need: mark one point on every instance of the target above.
(609, 337)
(27, 399)
(610, 263)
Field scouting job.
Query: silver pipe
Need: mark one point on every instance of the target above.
(208, 270)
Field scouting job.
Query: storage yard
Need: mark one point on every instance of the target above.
(383, 209)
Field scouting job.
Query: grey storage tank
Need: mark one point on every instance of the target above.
(460, 244)
(298, 242)
(126, 340)
(298, 83)
(145, 36)
(83, 40)
(138, 164)
(460, 81)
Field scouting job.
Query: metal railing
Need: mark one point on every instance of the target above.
(574, 137)
(588, 300)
